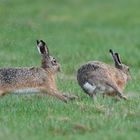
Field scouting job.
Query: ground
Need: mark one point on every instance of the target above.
(76, 31)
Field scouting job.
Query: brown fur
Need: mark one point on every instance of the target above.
(42, 79)
(103, 77)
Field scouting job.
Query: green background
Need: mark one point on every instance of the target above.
(76, 31)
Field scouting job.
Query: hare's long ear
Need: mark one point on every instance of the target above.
(116, 59)
(42, 48)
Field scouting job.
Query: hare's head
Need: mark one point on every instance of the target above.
(118, 64)
(48, 62)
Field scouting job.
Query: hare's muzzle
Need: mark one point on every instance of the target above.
(59, 68)
(129, 77)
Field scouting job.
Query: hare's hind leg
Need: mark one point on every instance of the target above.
(93, 96)
(121, 95)
(117, 91)
(113, 94)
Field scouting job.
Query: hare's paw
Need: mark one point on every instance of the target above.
(2, 93)
(125, 97)
(70, 97)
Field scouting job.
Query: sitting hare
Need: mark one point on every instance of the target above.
(98, 77)
(37, 78)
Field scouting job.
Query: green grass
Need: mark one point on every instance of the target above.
(76, 31)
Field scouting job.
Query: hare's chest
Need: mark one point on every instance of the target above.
(51, 83)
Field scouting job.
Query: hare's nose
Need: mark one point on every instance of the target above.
(59, 68)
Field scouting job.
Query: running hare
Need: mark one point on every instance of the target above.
(41, 78)
(98, 77)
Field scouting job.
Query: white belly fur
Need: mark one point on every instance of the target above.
(27, 90)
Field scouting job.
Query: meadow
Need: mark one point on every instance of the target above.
(76, 31)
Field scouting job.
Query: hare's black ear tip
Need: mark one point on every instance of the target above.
(42, 42)
(37, 41)
(110, 50)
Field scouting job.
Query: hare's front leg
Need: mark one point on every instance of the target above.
(60, 96)
(70, 97)
(56, 93)
(2, 93)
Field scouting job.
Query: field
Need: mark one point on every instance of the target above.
(76, 31)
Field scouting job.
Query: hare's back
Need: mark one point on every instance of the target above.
(11, 76)
(93, 76)
(92, 71)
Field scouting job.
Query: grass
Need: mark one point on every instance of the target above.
(76, 31)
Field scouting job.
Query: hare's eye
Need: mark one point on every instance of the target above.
(128, 69)
(54, 61)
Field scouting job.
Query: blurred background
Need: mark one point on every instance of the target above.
(76, 31)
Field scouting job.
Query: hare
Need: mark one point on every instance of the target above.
(41, 78)
(98, 77)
